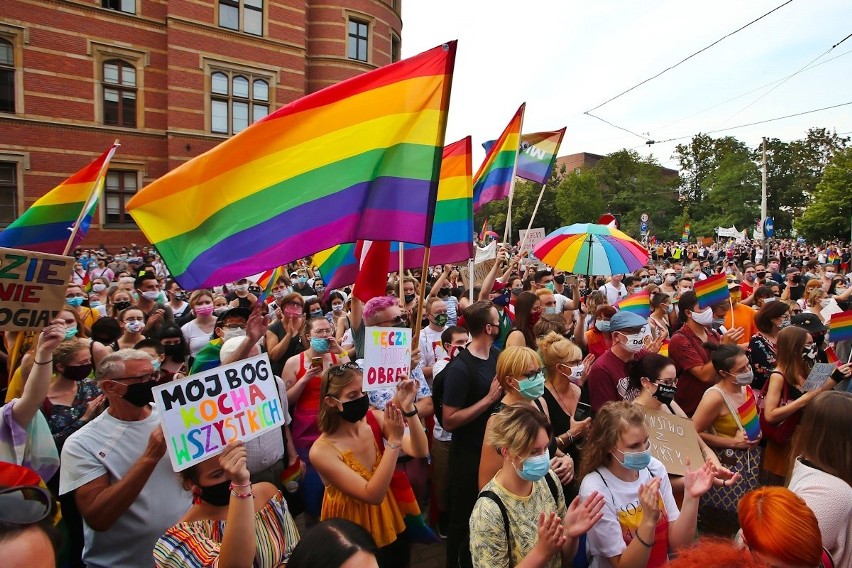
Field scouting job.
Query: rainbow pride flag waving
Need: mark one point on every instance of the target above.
(639, 303)
(356, 160)
(712, 291)
(537, 154)
(495, 177)
(840, 326)
(46, 226)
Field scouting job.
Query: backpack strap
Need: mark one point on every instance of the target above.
(496, 498)
(551, 484)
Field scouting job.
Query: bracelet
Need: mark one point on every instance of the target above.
(393, 446)
(238, 485)
(639, 538)
(42, 362)
(412, 413)
(242, 495)
(344, 353)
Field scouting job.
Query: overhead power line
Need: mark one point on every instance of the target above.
(685, 59)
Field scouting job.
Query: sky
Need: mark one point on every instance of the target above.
(564, 58)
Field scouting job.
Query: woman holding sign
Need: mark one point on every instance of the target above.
(233, 522)
(357, 464)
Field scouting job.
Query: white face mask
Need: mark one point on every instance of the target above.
(574, 373)
(830, 275)
(704, 318)
(636, 341)
(670, 279)
(151, 295)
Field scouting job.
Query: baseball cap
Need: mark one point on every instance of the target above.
(808, 322)
(233, 312)
(626, 320)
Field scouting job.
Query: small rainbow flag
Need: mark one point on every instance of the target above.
(267, 280)
(496, 175)
(356, 160)
(831, 356)
(840, 326)
(483, 231)
(537, 154)
(712, 291)
(639, 304)
(46, 225)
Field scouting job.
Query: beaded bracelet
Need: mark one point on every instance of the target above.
(49, 361)
(241, 495)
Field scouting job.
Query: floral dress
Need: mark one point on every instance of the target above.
(65, 420)
(762, 355)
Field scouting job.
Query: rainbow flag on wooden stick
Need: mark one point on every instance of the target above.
(712, 291)
(840, 326)
(47, 224)
(496, 175)
(357, 160)
(639, 303)
(537, 154)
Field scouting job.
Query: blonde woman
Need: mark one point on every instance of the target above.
(817, 300)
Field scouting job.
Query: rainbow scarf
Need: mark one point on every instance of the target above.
(537, 155)
(637, 303)
(712, 291)
(451, 233)
(46, 225)
(496, 175)
(840, 326)
(357, 160)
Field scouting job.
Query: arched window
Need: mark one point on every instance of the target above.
(237, 100)
(119, 93)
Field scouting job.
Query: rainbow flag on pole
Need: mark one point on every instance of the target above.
(452, 228)
(46, 225)
(537, 154)
(639, 303)
(357, 160)
(840, 326)
(712, 291)
(496, 175)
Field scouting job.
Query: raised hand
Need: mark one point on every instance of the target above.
(582, 516)
(51, 336)
(257, 323)
(394, 425)
(697, 483)
(233, 461)
(733, 336)
(649, 500)
(551, 536)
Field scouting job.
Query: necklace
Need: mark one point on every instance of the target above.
(562, 400)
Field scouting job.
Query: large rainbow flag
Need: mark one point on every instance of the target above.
(712, 291)
(452, 229)
(496, 175)
(357, 160)
(47, 224)
(537, 154)
(639, 303)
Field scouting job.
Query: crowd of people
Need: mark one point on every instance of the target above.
(520, 435)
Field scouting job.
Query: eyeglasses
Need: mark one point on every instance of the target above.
(235, 326)
(24, 505)
(399, 321)
(141, 378)
(322, 332)
(531, 374)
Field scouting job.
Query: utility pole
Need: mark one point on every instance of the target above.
(763, 205)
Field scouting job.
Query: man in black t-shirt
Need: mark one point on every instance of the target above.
(470, 392)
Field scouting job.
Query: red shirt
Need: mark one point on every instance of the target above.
(608, 381)
(686, 349)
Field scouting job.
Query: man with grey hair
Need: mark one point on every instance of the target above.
(117, 469)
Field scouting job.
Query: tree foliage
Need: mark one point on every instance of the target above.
(829, 215)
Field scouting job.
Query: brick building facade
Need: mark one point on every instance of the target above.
(168, 79)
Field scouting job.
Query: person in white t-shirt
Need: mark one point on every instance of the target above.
(430, 336)
(641, 522)
(614, 289)
(117, 467)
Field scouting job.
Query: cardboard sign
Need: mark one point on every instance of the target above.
(202, 413)
(485, 259)
(32, 287)
(533, 237)
(387, 354)
(673, 439)
(818, 375)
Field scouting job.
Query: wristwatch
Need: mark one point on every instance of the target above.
(412, 413)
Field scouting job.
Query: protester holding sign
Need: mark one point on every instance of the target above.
(234, 523)
(355, 462)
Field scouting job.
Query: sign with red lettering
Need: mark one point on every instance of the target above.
(32, 288)
(387, 355)
(202, 413)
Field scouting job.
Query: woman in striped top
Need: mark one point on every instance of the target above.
(260, 531)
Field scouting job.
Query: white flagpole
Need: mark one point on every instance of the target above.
(507, 232)
(93, 197)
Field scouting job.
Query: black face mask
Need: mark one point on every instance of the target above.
(444, 292)
(409, 298)
(355, 410)
(560, 279)
(175, 352)
(665, 393)
(77, 372)
(217, 495)
(119, 306)
(140, 394)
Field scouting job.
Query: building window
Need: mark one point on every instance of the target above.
(236, 101)
(7, 76)
(119, 93)
(395, 48)
(357, 45)
(126, 6)
(120, 186)
(8, 193)
(242, 15)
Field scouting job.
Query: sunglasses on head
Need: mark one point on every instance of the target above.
(24, 505)
(339, 370)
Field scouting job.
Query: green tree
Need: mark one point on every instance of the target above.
(829, 215)
(579, 198)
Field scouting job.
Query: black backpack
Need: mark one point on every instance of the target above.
(439, 380)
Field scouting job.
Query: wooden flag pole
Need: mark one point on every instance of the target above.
(415, 333)
(89, 202)
(470, 264)
(399, 271)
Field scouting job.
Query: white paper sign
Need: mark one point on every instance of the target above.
(818, 375)
(831, 309)
(533, 237)
(202, 413)
(387, 355)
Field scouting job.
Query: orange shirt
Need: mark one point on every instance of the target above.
(743, 316)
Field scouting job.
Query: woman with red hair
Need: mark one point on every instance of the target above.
(780, 529)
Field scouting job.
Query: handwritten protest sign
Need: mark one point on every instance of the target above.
(202, 413)
(387, 355)
(485, 259)
(673, 439)
(32, 287)
(818, 375)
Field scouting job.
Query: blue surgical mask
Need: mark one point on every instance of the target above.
(535, 467)
(70, 332)
(533, 387)
(552, 310)
(319, 344)
(602, 325)
(316, 313)
(76, 301)
(636, 461)
(550, 286)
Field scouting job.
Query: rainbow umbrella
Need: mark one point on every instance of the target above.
(587, 248)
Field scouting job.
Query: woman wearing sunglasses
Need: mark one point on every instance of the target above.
(355, 462)
(522, 378)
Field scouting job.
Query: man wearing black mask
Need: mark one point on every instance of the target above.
(117, 468)
(794, 284)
